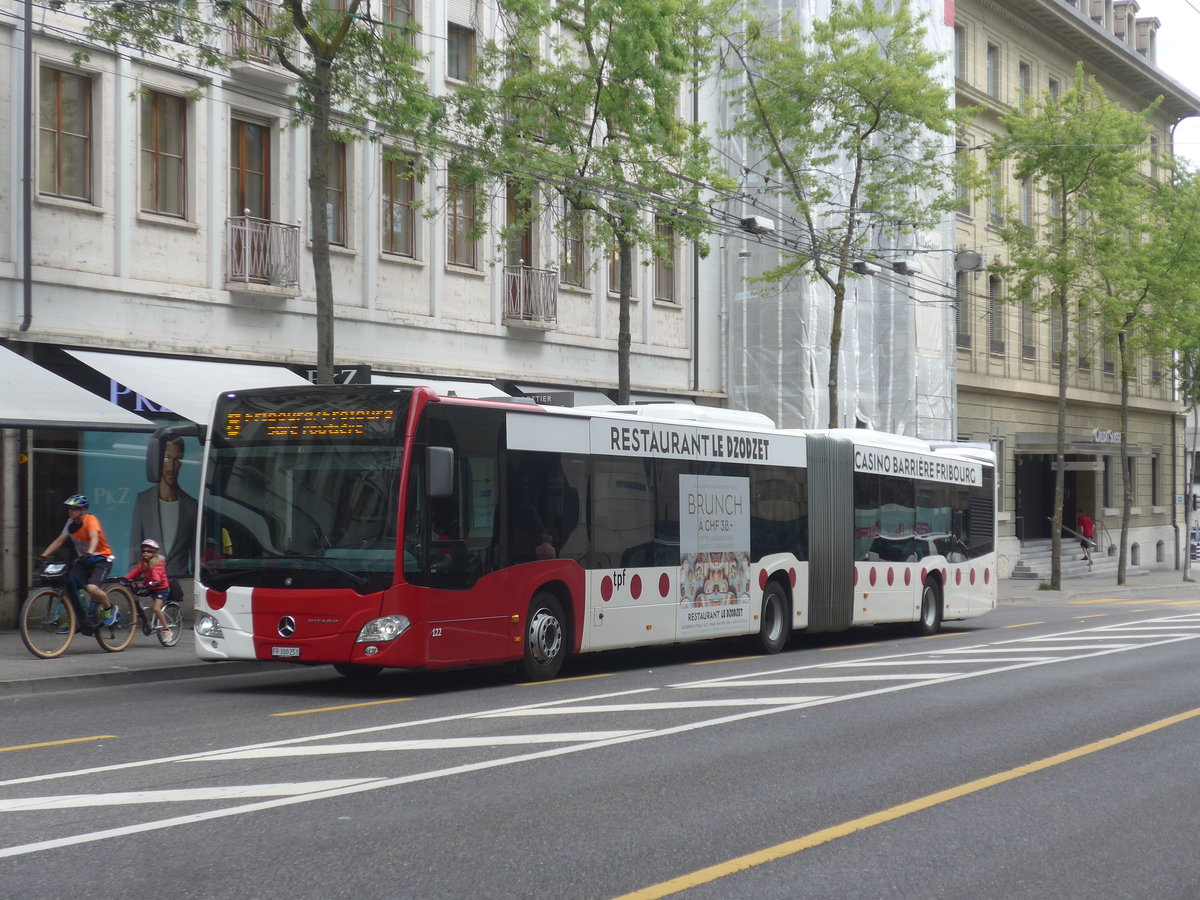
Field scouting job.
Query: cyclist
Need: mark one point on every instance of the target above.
(93, 556)
(152, 570)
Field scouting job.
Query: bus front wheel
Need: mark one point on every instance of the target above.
(775, 620)
(931, 610)
(545, 638)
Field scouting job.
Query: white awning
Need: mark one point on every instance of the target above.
(33, 397)
(475, 389)
(188, 387)
(579, 396)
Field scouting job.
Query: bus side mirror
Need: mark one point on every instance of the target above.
(439, 471)
(156, 449)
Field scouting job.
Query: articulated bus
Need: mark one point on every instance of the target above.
(376, 526)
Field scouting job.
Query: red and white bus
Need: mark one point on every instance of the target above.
(375, 526)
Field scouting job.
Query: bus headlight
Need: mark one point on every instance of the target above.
(386, 629)
(207, 626)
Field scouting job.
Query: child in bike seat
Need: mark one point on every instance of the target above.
(152, 571)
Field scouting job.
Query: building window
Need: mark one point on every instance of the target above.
(1109, 358)
(1025, 79)
(964, 195)
(664, 262)
(460, 223)
(460, 51)
(1055, 339)
(995, 319)
(164, 154)
(1106, 481)
(250, 169)
(960, 52)
(1028, 347)
(1131, 478)
(1027, 202)
(1052, 88)
(573, 263)
(335, 194)
(399, 206)
(65, 135)
(993, 70)
(399, 13)
(1155, 499)
(996, 198)
(962, 310)
(1083, 341)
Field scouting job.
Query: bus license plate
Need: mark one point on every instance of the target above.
(285, 652)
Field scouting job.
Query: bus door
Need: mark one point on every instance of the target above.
(452, 541)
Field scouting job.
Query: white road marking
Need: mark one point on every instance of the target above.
(656, 707)
(185, 795)
(499, 740)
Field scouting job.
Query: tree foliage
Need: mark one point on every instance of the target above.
(355, 77)
(581, 99)
(1087, 155)
(854, 127)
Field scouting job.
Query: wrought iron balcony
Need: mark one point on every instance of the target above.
(259, 251)
(530, 296)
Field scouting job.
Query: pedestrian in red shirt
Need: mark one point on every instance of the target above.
(1087, 531)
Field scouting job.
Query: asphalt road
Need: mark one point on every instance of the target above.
(1046, 750)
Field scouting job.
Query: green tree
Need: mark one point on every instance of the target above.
(1149, 272)
(854, 127)
(581, 99)
(352, 73)
(1086, 154)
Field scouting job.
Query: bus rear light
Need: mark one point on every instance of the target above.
(383, 630)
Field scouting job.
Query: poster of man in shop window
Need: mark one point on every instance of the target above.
(714, 549)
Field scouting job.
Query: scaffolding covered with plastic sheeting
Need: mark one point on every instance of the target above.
(896, 368)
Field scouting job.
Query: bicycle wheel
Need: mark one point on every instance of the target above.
(174, 615)
(117, 636)
(47, 623)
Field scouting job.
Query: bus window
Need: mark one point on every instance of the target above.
(622, 509)
(545, 512)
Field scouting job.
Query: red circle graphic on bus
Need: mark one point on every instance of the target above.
(924, 572)
(908, 576)
(606, 588)
(871, 576)
(792, 576)
(664, 585)
(972, 576)
(762, 579)
(856, 575)
(891, 576)
(987, 576)
(635, 586)
(958, 576)
(215, 599)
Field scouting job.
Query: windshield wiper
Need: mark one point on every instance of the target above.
(357, 580)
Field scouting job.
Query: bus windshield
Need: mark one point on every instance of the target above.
(302, 488)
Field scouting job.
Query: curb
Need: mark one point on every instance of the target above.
(25, 687)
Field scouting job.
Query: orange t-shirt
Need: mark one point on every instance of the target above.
(88, 525)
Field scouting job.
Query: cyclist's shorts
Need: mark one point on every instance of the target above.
(90, 572)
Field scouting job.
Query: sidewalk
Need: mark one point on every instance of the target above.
(85, 664)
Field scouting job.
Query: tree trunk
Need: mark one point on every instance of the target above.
(624, 340)
(319, 143)
(835, 347)
(1060, 446)
(1127, 486)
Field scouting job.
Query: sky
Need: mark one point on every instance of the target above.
(1178, 43)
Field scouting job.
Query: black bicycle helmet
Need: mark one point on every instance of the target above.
(77, 501)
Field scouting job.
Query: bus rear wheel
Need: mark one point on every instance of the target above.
(931, 610)
(545, 638)
(775, 620)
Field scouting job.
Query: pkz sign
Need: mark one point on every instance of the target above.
(341, 374)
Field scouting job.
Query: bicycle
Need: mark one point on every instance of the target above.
(52, 613)
(149, 622)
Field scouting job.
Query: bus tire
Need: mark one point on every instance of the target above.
(774, 618)
(545, 639)
(931, 610)
(357, 672)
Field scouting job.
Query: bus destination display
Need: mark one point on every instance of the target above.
(307, 424)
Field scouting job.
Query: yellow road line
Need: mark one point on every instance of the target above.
(852, 646)
(1092, 616)
(321, 709)
(709, 662)
(565, 680)
(824, 836)
(94, 737)
(1024, 624)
